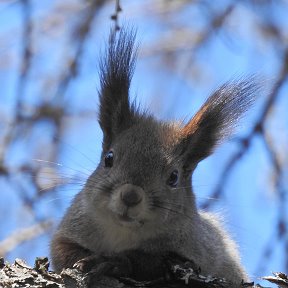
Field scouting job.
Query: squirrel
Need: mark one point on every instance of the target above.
(139, 205)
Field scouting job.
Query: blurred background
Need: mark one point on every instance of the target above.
(50, 140)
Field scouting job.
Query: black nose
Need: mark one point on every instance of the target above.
(130, 197)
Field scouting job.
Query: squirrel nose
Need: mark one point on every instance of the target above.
(131, 197)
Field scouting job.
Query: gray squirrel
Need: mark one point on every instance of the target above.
(138, 205)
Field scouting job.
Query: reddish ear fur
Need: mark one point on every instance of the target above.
(216, 119)
(193, 125)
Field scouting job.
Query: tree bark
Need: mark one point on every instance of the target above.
(19, 274)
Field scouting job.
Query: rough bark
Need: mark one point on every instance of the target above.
(19, 274)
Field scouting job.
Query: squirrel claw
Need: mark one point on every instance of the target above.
(102, 266)
(85, 264)
(79, 266)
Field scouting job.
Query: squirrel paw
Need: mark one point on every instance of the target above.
(113, 269)
(86, 264)
(97, 266)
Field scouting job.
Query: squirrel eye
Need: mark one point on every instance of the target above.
(108, 158)
(173, 179)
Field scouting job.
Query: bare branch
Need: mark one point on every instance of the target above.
(23, 235)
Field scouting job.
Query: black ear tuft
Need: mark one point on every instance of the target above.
(116, 71)
(217, 117)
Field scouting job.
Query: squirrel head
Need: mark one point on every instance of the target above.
(144, 176)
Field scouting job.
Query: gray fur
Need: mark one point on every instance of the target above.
(146, 151)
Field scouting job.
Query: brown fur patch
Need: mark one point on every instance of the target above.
(67, 252)
(192, 126)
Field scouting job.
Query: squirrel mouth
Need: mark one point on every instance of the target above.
(126, 218)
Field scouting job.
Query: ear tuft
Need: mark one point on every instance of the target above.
(116, 71)
(217, 117)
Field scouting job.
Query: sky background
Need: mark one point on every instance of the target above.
(172, 87)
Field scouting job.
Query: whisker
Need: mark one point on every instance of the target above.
(182, 187)
(61, 165)
(77, 150)
(57, 177)
(58, 198)
(170, 210)
(209, 198)
(53, 187)
(190, 196)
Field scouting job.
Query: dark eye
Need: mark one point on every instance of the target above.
(108, 158)
(173, 179)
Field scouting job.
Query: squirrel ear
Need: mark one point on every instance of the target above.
(216, 119)
(116, 70)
